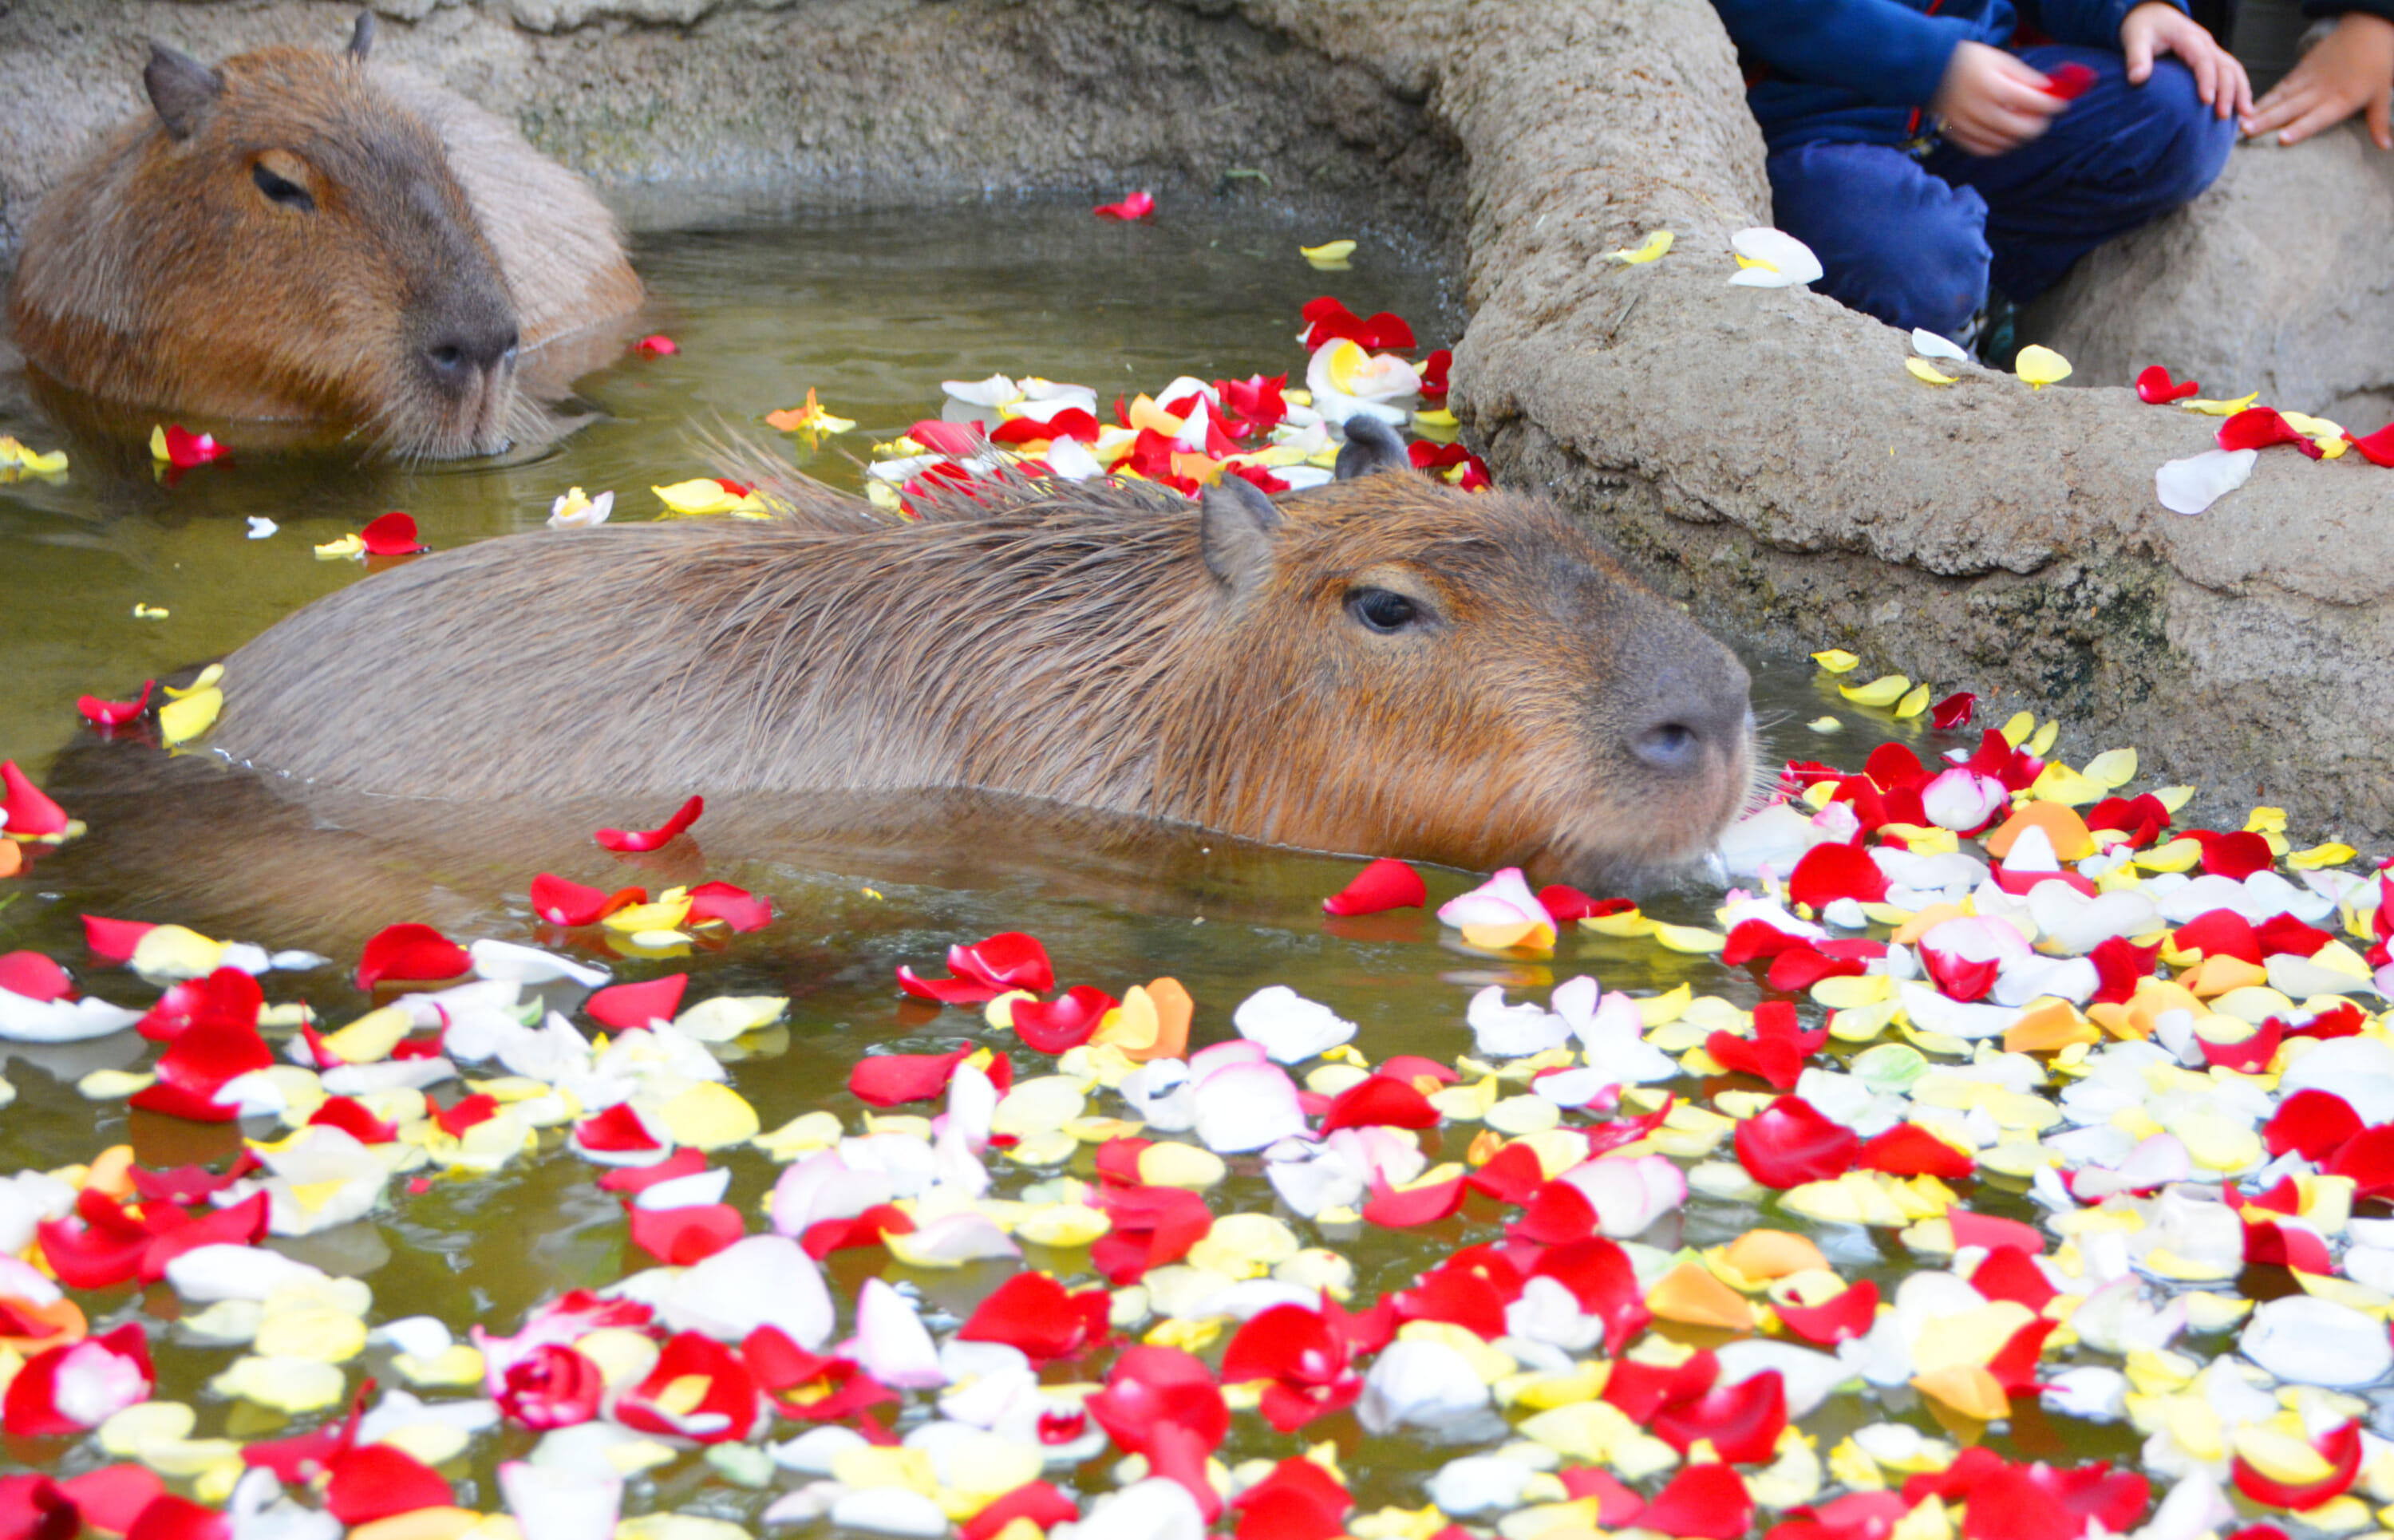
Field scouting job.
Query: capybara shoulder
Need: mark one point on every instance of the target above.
(303, 235)
(1387, 666)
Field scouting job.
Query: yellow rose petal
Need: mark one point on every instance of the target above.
(1329, 251)
(1886, 689)
(180, 721)
(291, 1385)
(2040, 366)
(1063, 1225)
(1912, 703)
(1921, 368)
(2221, 408)
(709, 1116)
(1652, 248)
(1171, 1163)
(1836, 661)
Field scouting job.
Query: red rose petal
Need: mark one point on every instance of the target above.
(1599, 1274)
(186, 449)
(28, 811)
(2376, 448)
(890, 1079)
(171, 1518)
(412, 953)
(656, 345)
(2070, 81)
(1703, 1502)
(2368, 1159)
(200, 1063)
(2011, 1273)
(1393, 1210)
(640, 1005)
(377, 1479)
(392, 534)
(1827, 873)
(350, 1116)
(111, 1498)
(100, 712)
(35, 976)
(1954, 711)
(1742, 1420)
(1848, 1315)
(2340, 1448)
(1036, 1314)
(946, 438)
(1037, 1501)
(2236, 856)
(2289, 1245)
(1383, 885)
(1298, 1500)
(1908, 1150)
(567, 903)
(1059, 1025)
(1789, 1143)
(735, 907)
(732, 1391)
(1379, 1100)
(113, 941)
(825, 1236)
(617, 1130)
(2313, 1123)
(632, 841)
(227, 997)
(1557, 1213)
(1987, 1230)
(2259, 428)
(1137, 206)
(2154, 387)
(678, 1237)
(1153, 1227)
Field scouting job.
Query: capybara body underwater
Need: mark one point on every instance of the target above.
(300, 236)
(1388, 666)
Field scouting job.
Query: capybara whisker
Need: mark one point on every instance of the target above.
(1386, 664)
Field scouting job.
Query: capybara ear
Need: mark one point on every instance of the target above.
(183, 90)
(1371, 445)
(1235, 524)
(362, 40)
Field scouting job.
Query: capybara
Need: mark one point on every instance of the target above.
(1388, 665)
(298, 236)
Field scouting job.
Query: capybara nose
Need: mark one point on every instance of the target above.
(1694, 715)
(458, 358)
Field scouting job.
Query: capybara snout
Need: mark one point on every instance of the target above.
(295, 235)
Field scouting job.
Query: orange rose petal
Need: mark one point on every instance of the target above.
(12, 858)
(1967, 1389)
(1926, 920)
(63, 1314)
(111, 1171)
(2155, 997)
(2218, 975)
(2118, 1020)
(1527, 936)
(1173, 1010)
(2043, 1029)
(2066, 829)
(1694, 1297)
(1767, 1254)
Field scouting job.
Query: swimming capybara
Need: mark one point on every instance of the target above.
(1387, 666)
(298, 236)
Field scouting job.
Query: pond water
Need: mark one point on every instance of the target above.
(871, 311)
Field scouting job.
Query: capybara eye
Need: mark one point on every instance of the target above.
(1381, 610)
(289, 195)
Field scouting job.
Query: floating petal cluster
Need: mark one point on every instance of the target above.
(2108, 1082)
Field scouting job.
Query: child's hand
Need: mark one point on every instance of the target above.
(2158, 26)
(2351, 70)
(1989, 102)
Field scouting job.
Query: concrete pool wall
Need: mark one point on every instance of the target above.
(1762, 454)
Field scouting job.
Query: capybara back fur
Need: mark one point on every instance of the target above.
(302, 235)
(1385, 665)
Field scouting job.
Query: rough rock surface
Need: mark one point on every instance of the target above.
(2279, 280)
(1763, 453)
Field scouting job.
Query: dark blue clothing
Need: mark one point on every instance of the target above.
(1914, 241)
(1859, 71)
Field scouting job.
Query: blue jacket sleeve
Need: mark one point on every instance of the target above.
(2088, 23)
(1884, 52)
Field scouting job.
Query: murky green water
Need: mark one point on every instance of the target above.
(872, 311)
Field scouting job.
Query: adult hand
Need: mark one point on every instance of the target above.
(1989, 102)
(2157, 28)
(2351, 71)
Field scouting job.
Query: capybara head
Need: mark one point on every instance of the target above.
(1469, 672)
(280, 238)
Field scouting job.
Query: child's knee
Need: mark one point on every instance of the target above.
(2185, 140)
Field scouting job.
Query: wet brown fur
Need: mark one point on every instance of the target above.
(158, 273)
(1052, 640)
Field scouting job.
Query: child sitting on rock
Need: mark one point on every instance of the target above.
(1927, 150)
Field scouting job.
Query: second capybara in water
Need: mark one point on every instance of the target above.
(302, 236)
(1387, 666)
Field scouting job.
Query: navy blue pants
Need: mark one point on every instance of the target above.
(1914, 242)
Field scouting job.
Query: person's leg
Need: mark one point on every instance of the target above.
(1895, 242)
(2119, 157)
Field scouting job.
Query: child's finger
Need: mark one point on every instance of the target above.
(2138, 49)
(2322, 115)
(2380, 128)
